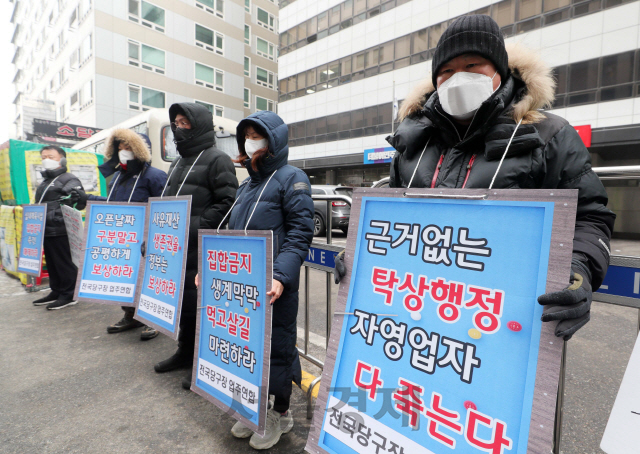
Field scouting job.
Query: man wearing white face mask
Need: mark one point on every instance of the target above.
(55, 189)
(128, 161)
(477, 122)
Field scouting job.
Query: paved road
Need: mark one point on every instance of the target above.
(69, 387)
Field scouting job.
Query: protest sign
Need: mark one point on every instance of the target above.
(622, 435)
(436, 344)
(75, 232)
(108, 272)
(34, 218)
(161, 279)
(233, 329)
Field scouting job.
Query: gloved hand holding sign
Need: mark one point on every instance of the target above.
(571, 306)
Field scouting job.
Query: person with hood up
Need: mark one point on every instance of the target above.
(476, 123)
(55, 189)
(128, 160)
(275, 197)
(209, 176)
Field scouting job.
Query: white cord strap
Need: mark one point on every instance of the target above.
(418, 164)
(257, 201)
(504, 155)
(47, 188)
(169, 177)
(187, 175)
(226, 216)
(113, 186)
(136, 183)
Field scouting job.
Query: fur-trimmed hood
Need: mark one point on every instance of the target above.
(138, 145)
(525, 64)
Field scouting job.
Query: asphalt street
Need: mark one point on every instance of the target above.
(69, 387)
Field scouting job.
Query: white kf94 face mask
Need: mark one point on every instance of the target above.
(251, 146)
(125, 155)
(50, 164)
(462, 94)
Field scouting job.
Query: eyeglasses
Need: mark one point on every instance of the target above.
(180, 124)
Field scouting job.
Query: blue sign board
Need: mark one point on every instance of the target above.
(34, 218)
(379, 155)
(234, 323)
(438, 350)
(159, 299)
(113, 236)
(621, 281)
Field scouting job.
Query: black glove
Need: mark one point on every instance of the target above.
(340, 270)
(79, 197)
(572, 305)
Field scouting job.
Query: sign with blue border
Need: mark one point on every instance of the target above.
(111, 260)
(438, 345)
(161, 280)
(34, 218)
(233, 328)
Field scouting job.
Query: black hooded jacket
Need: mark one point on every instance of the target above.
(212, 182)
(546, 151)
(59, 183)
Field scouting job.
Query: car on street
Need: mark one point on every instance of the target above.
(340, 210)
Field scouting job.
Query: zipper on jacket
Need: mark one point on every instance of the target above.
(471, 161)
(437, 172)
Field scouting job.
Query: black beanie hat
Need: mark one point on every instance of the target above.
(477, 34)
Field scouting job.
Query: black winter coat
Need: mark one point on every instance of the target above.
(61, 187)
(286, 208)
(212, 182)
(546, 152)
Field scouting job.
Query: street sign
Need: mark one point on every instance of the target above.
(621, 285)
(322, 256)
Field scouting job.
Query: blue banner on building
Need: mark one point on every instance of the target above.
(379, 155)
(234, 323)
(439, 346)
(160, 285)
(34, 218)
(111, 260)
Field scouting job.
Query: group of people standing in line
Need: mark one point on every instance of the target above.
(475, 123)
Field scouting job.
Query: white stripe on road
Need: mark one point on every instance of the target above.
(315, 339)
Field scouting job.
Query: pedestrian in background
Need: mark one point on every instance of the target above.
(208, 175)
(57, 188)
(128, 161)
(276, 197)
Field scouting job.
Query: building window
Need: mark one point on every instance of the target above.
(209, 39)
(147, 14)
(215, 7)
(142, 98)
(247, 34)
(86, 94)
(73, 20)
(264, 104)
(209, 77)
(247, 66)
(247, 6)
(266, 20)
(216, 111)
(146, 57)
(85, 50)
(265, 78)
(265, 48)
(247, 98)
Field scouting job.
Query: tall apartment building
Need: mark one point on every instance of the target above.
(103, 61)
(340, 60)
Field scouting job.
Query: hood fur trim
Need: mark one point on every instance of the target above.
(137, 144)
(526, 65)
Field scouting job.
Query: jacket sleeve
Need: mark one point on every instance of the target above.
(297, 208)
(73, 183)
(569, 167)
(223, 185)
(394, 178)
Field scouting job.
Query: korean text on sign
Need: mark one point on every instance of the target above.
(33, 224)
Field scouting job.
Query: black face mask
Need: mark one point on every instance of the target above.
(181, 135)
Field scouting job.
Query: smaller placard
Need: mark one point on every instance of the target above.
(161, 279)
(108, 273)
(75, 232)
(233, 328)
(34, 218)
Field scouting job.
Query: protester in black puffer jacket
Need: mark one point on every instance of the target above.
(57, 188)
(436, 150)
(208, 175)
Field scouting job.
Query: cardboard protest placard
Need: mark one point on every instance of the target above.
(436, 344)
(233, 329)
(75, 232)
(161, 278)
(622, 435)
(113, 234)
(34, 218)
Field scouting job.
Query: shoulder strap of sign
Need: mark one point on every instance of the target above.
(136, 183)
(187, 175)
(169, 177)
(113, 186)
(47, 188)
